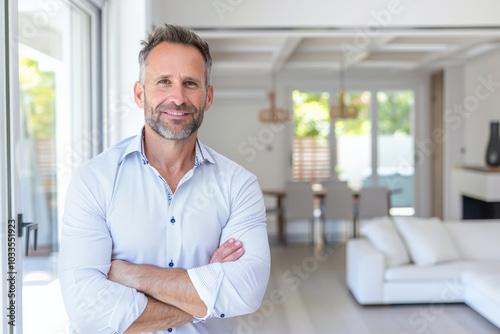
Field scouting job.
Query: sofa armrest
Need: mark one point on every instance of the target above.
(365, 267)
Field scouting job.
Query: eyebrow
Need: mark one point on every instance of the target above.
(169, 76)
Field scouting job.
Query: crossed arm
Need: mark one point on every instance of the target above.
(172, 298)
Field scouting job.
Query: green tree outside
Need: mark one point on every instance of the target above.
(37, 98)
(311, 113)
(394, 112)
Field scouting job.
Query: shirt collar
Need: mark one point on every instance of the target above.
(202, 154)
(137, 145)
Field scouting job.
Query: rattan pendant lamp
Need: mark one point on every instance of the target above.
(341, 110)
(273, 114)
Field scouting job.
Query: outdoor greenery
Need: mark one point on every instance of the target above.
(311, 113)
(37, 98)
(394, 111)
(355, 126)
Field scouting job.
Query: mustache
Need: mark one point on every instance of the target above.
(175, 107)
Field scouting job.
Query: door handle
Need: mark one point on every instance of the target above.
(29, 227)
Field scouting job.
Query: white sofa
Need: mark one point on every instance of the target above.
(407, 260)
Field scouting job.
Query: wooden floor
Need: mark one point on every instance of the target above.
(307, 294)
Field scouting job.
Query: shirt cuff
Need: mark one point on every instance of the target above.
(206, 280)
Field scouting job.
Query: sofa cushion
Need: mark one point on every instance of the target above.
(427, 239)
(476, 240)
(442, 271)
(480, 269)
(384, 237)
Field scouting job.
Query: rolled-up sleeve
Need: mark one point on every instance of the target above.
(94, 304)
(235, 288)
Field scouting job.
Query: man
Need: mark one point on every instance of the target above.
(161, 233)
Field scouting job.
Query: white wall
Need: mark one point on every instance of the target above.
(126, 24)
(232, 128)
(481, 104)
(472, 97)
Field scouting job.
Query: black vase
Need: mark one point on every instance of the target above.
(493, 150)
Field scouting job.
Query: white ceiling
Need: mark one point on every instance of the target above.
(315, 39)
(243, 52)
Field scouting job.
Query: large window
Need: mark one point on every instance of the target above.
(59, 107)
(380, 138)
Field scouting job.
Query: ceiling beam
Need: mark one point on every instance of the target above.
(364, 53)
(280, 57)
(452, 51)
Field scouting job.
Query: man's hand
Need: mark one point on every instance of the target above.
(231, 250)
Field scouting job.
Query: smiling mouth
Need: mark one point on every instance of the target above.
(176, 113)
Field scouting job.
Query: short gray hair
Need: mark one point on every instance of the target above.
(174, 34)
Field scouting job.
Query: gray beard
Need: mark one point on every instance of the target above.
(158, 126)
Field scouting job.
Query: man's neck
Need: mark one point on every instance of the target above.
(172, 158)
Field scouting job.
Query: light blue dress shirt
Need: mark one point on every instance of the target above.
(119, 207)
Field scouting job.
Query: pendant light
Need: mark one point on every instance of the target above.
(273, 114)
(341, 110)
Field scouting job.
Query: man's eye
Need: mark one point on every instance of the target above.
(190, 83)
(163, 81)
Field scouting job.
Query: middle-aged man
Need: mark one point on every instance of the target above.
(161, 233)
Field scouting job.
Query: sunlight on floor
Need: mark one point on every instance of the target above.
(43, 308)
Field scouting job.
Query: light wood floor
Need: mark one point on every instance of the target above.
(307, 294)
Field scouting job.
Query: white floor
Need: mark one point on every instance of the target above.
(43, 309)
(306, 294)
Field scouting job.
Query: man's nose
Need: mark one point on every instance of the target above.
(177, 95)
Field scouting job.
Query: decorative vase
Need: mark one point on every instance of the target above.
(493, 150)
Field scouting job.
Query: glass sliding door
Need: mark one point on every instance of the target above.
(380, 139)
(51, 125)
(396, 148)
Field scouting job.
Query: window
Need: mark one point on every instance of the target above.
(380, 138)
(311, 149)
(395, 148)
(59, 57)
(353, 141)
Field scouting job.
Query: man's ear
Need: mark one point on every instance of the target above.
(139, 94)
(210, 97)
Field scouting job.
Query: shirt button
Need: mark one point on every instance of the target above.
(222, 315)
(172, 220)
(171, 264)
(170, 329)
